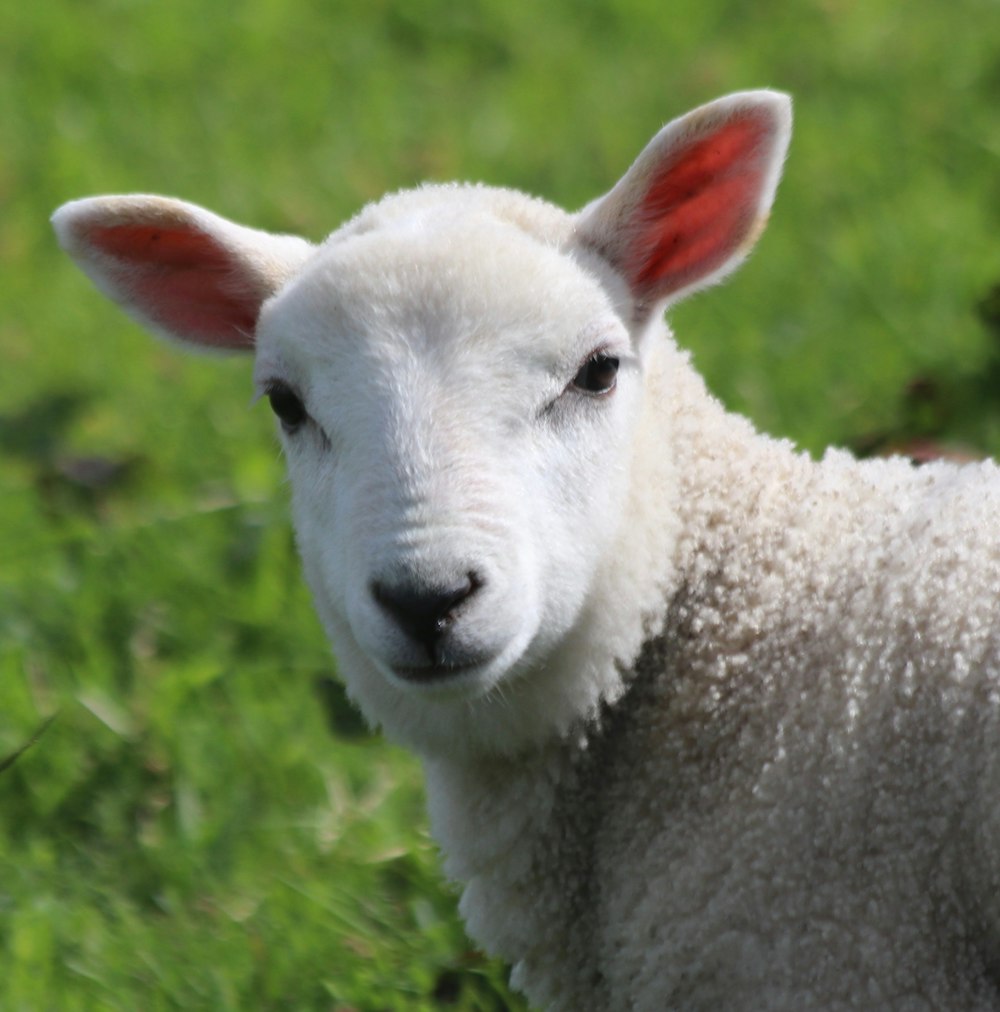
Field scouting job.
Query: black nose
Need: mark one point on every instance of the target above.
(424, 611)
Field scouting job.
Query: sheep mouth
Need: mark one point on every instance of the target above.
(435, 674)
(455, 670)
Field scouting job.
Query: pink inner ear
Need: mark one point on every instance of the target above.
(700, 208)
(184, 281)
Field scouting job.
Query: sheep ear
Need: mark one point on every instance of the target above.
(695, 201)
(180, 270)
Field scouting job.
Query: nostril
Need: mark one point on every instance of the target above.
(424, 611)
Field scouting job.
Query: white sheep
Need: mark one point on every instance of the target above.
(706, 724)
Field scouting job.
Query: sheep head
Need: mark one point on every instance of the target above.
(458, 374)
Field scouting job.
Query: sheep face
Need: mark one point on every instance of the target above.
(461, 376)
(458, 451)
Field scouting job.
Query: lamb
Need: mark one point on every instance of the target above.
(706, 724)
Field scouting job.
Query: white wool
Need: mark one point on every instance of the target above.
(787, 809)
(706, 724)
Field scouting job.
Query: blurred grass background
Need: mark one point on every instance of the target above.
(206, 824)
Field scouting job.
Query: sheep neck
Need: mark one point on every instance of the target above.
(520, 832)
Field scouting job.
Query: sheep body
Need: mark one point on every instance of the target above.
(795, 803)
(706, 724)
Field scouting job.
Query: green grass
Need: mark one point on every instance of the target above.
(205, 824)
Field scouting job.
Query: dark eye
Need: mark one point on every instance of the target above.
(287, 405)
(597, 375)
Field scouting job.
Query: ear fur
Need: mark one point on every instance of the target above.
(180, 270)
(692, 205)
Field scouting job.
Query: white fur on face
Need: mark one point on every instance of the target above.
(446, 438)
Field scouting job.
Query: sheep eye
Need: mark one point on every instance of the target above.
(597, 375)
(287, 405)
